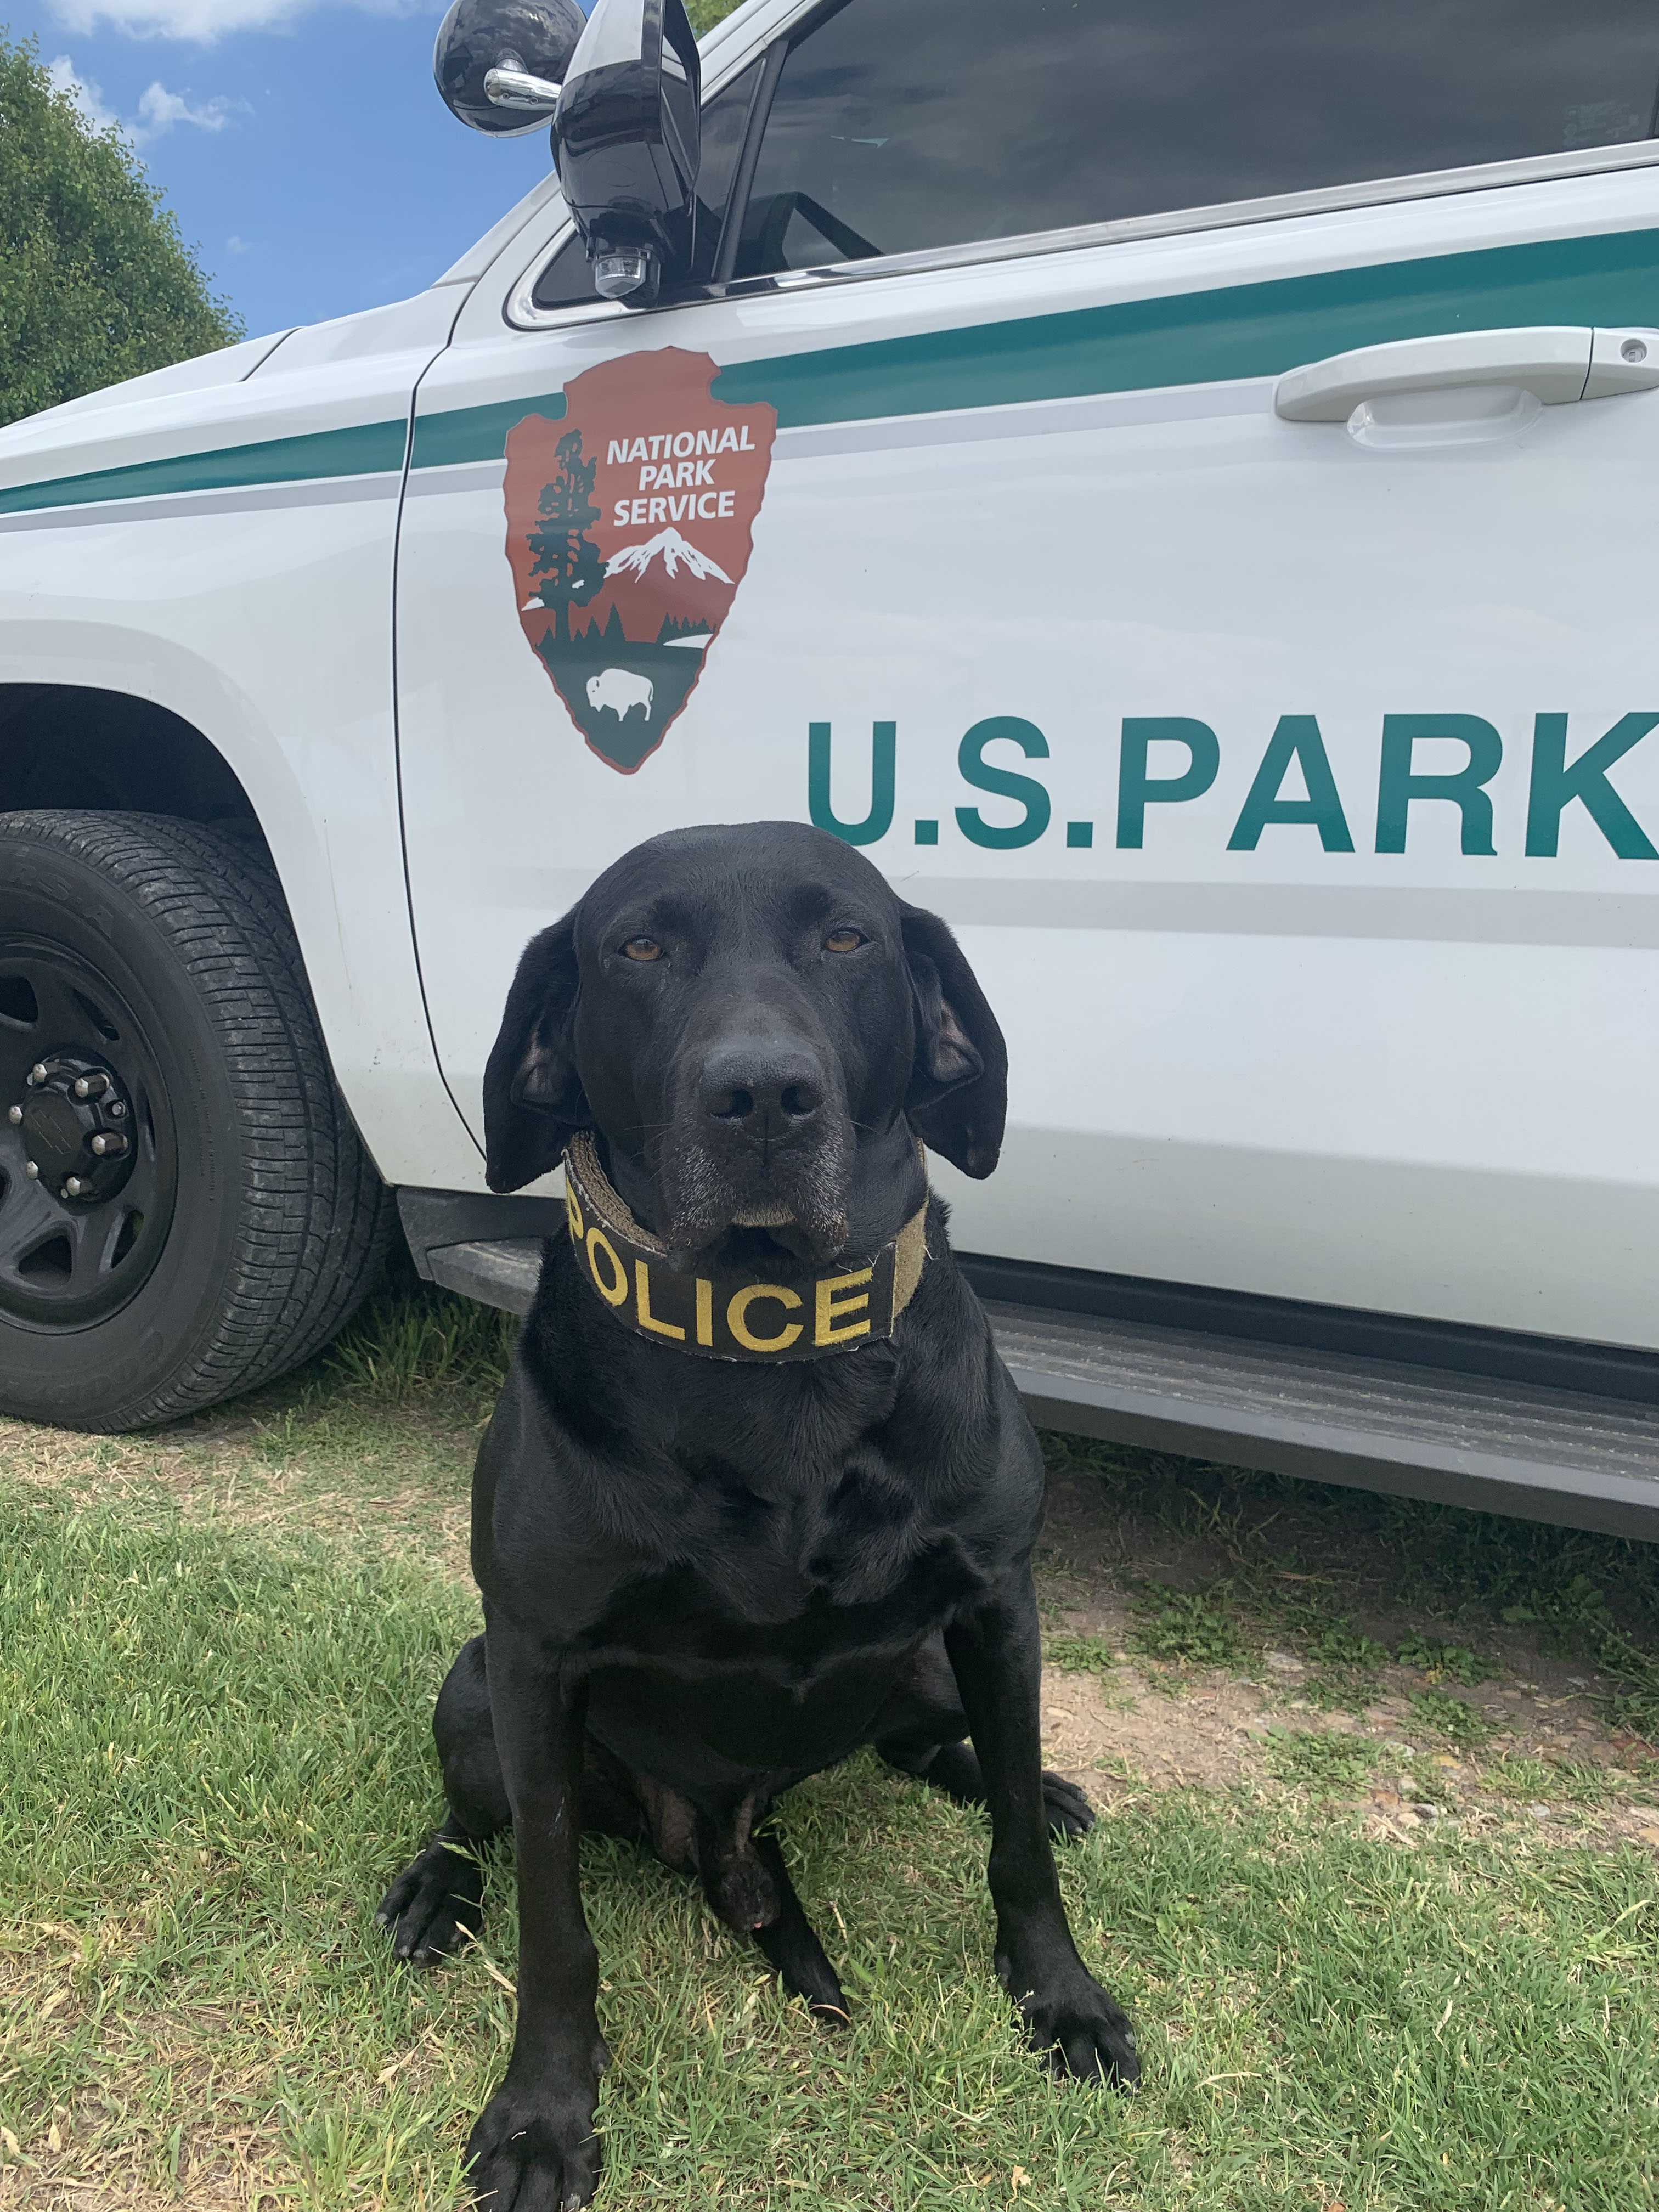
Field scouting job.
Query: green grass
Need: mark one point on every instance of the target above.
(214, 1752)
(1343, 1659)
(1190, 1628)
(1565, 1781)
(1445, 1663)
(1081, 1655)
(1319, 1760)
(411, 1340)
(1461, 1724)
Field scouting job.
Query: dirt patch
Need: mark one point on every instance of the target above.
(1531, 1744)
(1131, 1731)
(368, 1476)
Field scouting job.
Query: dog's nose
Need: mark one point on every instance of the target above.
(750, 1090)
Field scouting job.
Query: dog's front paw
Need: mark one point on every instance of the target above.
(433, 1907)
(1070, 1814)
(1080, 2030)
(534, 2154)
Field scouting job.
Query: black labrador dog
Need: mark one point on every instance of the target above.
(758, 1490)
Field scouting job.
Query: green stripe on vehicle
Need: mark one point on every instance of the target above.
(475, 433)
(1214, 335)
(1222, 333)
(1218, 335)
(367, 449)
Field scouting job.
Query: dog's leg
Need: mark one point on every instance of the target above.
(954, 1770)
(534, 2149)
(996, 1655)
(920, 1731)
(434, 1905)
(791, 1942)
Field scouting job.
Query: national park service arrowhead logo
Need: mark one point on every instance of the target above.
(629, 529)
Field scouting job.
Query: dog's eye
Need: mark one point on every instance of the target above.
(844, 940)
(642, 948)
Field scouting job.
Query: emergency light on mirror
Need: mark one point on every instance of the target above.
(626, 138)
(499, 64)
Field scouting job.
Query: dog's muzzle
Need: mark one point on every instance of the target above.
(726, 1314)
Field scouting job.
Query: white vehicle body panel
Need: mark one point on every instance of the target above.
(260, 611)
(1415, 1081)
(1357, 1078)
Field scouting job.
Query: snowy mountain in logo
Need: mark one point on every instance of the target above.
(634, 559)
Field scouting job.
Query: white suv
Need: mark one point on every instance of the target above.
(1170, 479)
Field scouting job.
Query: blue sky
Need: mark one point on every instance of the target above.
(303, 147)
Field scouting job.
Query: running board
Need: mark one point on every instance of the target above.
(1505, 1447)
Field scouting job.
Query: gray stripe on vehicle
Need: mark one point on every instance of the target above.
(310, 491)
(1438, 917)
(1629, 922)
(457, 476)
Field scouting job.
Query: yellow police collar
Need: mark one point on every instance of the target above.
(726, 1315)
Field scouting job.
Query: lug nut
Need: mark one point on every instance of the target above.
(37, 1074)
(14, 1115)
(114, 1146)
(31, 1169)
(73, 1186)
(91, 1086)
(117, 1107)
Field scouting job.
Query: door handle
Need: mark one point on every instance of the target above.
(1556, 362)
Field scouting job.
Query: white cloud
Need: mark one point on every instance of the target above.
(234, 245)
(160, 109)
(205, 20)
(88, 97)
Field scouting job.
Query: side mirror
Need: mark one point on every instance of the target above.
(499, 64)
(628, 138)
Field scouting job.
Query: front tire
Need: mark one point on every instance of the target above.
(186, 1208)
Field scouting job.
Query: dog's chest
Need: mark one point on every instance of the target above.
(795, 1570)
(682, 1662)
(775, 1648)
(710, 1554)
(862, 1535)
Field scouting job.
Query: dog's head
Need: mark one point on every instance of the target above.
(738, 1011)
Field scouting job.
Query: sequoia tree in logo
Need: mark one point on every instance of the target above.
(629, 530)
(568, 569)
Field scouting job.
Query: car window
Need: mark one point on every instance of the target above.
(901, 124)
(568, 279)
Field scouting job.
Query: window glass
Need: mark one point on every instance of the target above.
(899, 125)
(568, 279)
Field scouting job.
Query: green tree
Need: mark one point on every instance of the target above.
(567, 570)
(95, 283)
(705, 14)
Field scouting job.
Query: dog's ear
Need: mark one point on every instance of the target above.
(533, 1099)
(957, 1101)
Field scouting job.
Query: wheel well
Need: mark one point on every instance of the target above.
(63, 745)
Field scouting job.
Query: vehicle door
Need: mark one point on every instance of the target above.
(1286, 779)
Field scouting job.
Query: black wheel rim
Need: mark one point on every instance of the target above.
(84, 1104)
